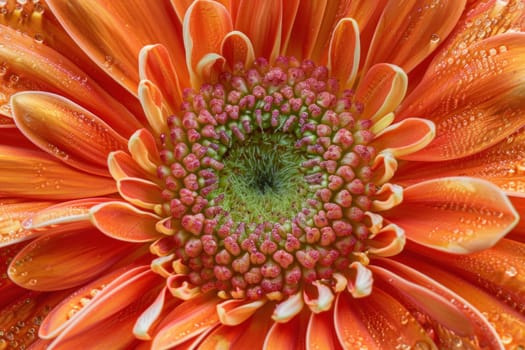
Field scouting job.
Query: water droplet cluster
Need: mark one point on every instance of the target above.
(298, 109)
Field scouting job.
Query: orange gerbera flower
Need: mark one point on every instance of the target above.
(262, 174)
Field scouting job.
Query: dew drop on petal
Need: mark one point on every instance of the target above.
(434, 38)
(511, 271)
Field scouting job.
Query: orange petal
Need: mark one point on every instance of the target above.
(289, 308)
(320, 333)
(234, 312)
(139, 192)
(323, 300)
(500, 270)
(426, 301)
(236, 47)
(66, 130)
(65, 259)
(206, 23)
(344, 52)
(60, 317)
(124, 222)
(308, 21)
(261, 21)
(507, 322)
(34, 174)
(8, 289)
(389, 241)
(62, 213)
(290, 8)
(484, 333)
(186, 321)
(456, 215)
(247, 335)
(408, 136)
(20, 319)
(37, 67)
(102, 30)
(116, 307)
(287, 335)
(11, 136)
(481, 20)
(210, 67)
(152, 315)
(154, 105)
(12, 216)
(409, 31)
(502, 164)
(378, 322)
(361, 281)
(381, 90)
(155, 65)
(475, 99)
(143, 149)
(121, 165)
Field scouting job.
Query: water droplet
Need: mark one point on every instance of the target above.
(506, 339)
(32, 282)
(434, 38)
(511, 271)
(108, 61)
(39, 38)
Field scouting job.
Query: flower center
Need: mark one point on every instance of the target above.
(267, 180)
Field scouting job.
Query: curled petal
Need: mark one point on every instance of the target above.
(156, 65)
(340, 282)
(139, 192)
(324, 300)
(381, 90)
(344, 52)
(382, 123)
(389, 241)
(234, 312)
(180, 288)
(236, 47)
(121, 165)
(360, 285)
(376, 222)
(163, 265)
(392, 194)
(154, 106)
(143, 150)
(124, 222)
(457, 214)
(150, 317)
(206, 23)
(210, 67)
(289, 308)
(385, 166)
(408, 136)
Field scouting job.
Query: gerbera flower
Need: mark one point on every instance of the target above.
(262, 174)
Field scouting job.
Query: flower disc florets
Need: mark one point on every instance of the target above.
(267, 180)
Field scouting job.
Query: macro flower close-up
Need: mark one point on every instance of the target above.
(262, 174)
